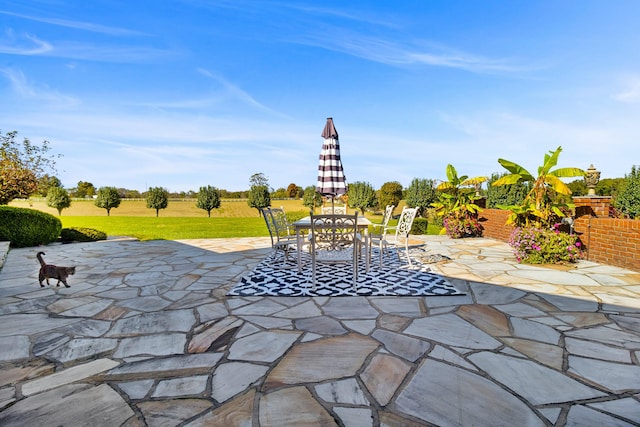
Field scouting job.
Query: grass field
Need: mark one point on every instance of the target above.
(180, 220)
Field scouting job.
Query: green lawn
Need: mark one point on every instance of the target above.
(170, 228)
(181, 220)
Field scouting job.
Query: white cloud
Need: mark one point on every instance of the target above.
(631, 92)
(23, 44)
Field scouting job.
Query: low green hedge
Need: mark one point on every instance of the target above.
(81, 234)
(419, 226)
(28, 227)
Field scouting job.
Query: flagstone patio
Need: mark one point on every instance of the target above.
(147, 335)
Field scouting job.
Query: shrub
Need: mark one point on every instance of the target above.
(628, 200)
(419, 226)
(458, 226)
(543, 246)
(80, 234)
(28, 227)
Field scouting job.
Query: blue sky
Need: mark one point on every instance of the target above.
(186, 93)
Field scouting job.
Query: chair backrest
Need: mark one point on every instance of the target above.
(333, 232)
(277, 224)
(334, 210)
(388, 212)
(280, 220)
(405, 222)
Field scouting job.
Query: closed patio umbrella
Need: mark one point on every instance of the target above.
(331, 179)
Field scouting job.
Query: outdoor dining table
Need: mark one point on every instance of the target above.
(305, 224)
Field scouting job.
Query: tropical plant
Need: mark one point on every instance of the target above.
(208, 199)
(540, 207)
(157, 198)
(628, 200)
(456, 206)
(107, 198)
(58, 198)
(362, 196)
(420, 194)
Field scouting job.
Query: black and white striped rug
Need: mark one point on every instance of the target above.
(395, 278)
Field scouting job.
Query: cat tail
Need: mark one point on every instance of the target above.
(39, 256)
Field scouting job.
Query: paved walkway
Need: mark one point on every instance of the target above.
(146, 336)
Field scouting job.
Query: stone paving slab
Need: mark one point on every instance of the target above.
(147, 336)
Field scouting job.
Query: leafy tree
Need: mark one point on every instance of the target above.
(505, 195)
(157, 198)
(108, 198)
(208, 199)
(293, 190)
(361, 195)
(45, 182)
(85, 189)
(420, 194)
(311, 198)
(58, 198)
(610, 186)
(21, 164)
(540, 206)
(628, 200)
(280, 193)
(390, 194)
(259, 196)
(578, 187)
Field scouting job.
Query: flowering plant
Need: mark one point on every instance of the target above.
(545, 246)
(465, 225)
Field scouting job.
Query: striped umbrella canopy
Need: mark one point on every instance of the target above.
(331, 179)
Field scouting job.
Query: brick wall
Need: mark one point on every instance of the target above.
(608, 241)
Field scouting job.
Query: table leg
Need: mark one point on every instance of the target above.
(299, 249)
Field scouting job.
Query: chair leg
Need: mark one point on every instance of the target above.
(406, 247)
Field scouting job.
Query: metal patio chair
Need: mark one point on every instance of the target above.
(282, 238)
(396, 235)
(335, 240)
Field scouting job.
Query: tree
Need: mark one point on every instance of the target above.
(293, 191)
(421, 194)
(157, 198)
(505, 195)
(58, 198)
(390, 194)
(539, 206)
(280, 193)
(610, 186)
(45, 182)
(21, 164)
(208, 199)
(85, 189)
(259, 196)
(628, 200)
(361, 195)
(108, 198)
(578, 187)
(311, 198)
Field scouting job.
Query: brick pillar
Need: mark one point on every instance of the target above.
(597, 206)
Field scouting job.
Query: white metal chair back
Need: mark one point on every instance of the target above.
(388, 212)
(401, 234)
(334, 210)
(335, 239)
(279, 230)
